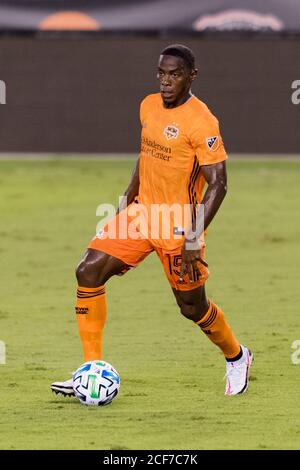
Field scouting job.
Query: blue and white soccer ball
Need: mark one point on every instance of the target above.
(96, 383)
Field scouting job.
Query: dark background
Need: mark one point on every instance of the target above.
(82, 94)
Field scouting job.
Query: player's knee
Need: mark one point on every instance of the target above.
(193, 312)
(88, 273)
(188, 311)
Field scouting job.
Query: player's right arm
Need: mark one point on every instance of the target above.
(132, 190)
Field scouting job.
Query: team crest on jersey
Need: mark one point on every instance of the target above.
(213, 143)
(171, 132)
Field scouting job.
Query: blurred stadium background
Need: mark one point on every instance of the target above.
(75, 72)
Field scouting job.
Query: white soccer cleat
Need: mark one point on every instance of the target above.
(64, 388)
(237, 373)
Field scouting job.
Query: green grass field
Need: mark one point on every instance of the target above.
(172, 392)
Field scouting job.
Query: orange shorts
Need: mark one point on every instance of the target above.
(132, 251)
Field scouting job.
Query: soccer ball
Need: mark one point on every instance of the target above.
(96, 383)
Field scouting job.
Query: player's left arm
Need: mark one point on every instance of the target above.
(207, 143)
(216, 178)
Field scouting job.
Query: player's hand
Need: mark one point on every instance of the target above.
(190, 262)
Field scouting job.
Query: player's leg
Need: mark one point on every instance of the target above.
(104, 258)
(194, 305)
(96, 267)
(93, 271)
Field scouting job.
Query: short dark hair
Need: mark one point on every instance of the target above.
(179, 50)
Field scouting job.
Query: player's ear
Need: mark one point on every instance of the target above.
(194, 74)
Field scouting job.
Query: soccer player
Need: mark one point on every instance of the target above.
(181, 152)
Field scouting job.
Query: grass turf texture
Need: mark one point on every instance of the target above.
(171, 375)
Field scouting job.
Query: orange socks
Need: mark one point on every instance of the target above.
(214, 325)
(91, 316)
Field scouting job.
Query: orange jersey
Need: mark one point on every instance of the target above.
(175, 143)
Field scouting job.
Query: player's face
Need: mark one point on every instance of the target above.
(175, 80)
